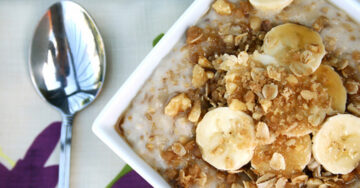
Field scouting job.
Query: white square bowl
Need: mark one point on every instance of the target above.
(104, 124)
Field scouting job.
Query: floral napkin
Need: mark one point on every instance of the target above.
(30, 171)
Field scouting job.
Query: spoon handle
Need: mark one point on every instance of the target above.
(65, 148)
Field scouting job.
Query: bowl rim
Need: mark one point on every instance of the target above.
(103, 126)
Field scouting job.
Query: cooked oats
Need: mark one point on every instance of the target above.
(220, 63)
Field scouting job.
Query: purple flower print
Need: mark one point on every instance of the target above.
(30, 171)
(131, 180)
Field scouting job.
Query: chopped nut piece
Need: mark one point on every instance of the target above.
(243, 58)
(239, 38)
(348, 177)
(236, 104)
(249, 96)
(222, 7)
(210, 75)
(224, 29)
(230, 178)
(317, 116)
(356, 55)
(195, 112)
(178, 149)
(273, 73)
(202, 179)
(228, 39)
(342, 64)
(313, 183)
(352, 87)
(257, 115)
(265, 104)
(320, 23)
(330, 43)
(151, 110)
(266, 25)
(348, 27)
(199, 77)
(204, 62)
(179, 103)
(148, 116)
(324, 9)
(183, 139)
(194, 35)
(317, 171)
(281, 182)
(220, 176)
(307, 95)
(168, 156)
(184, 180)
(315, 120)
(313, 165)
(292, 79)
(255, 23)
(354, 109)
(299, 179)
(228, 62)
(171, 173)
(250, 106)
(270, 91)
(348, 72)
(231, 87)
(277, 162)
(262, 131)
(149, 146)
(194, 170)
(290, 142)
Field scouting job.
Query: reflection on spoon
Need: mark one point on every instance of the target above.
(67, 66)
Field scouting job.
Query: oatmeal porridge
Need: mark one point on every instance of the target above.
(256, 94)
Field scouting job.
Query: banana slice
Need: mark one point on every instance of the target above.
(333, 83)
(270, 5)
(226, 138)
(296, 46)
(337, 144)
(296, 152)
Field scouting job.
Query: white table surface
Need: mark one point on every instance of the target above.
(127, 27)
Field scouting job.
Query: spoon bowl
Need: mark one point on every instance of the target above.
(67, 67)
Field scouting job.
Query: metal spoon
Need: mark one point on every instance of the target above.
(67, 66)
